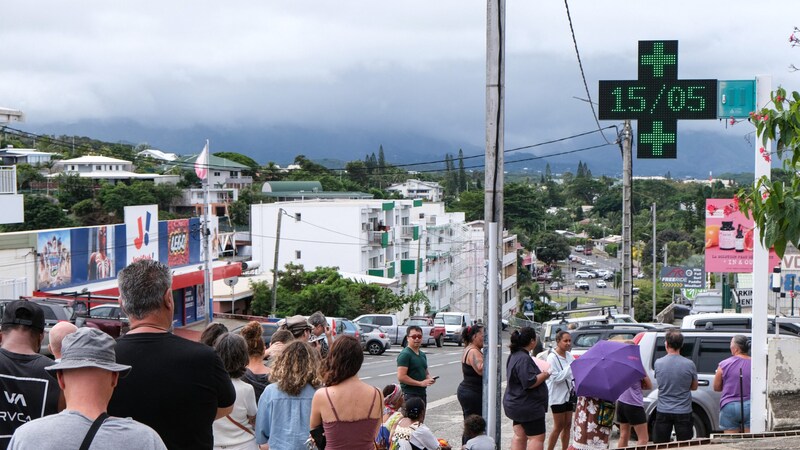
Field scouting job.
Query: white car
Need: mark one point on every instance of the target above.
(582, 285)
(600, 284)
(583, 274)
(587, 262)
(579, 248)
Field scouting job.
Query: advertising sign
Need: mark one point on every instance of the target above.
(729, 238)
(200, 301)
(178, 242)
(141, 232)
(55, 259)
(101, 253)
(683, 277)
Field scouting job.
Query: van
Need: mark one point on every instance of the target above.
(454, 323)
(707, 302)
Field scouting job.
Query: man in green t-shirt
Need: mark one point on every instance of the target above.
(412, 367)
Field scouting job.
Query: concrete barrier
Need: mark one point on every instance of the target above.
(783, 384)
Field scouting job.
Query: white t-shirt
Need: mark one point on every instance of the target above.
(226, 433)
(560, 381)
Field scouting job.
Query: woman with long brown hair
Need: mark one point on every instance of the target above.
(348, 409)
(285, 406)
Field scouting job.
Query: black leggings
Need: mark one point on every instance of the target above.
(471, 400)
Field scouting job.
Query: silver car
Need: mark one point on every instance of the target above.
(373, 340)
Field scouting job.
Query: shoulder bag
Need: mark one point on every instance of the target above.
(87, 441)
(573, 396)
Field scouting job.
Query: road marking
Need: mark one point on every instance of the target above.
(386, 374)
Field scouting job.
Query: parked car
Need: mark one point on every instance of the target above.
(439, 329)
(583, 274)
(551, 327)
(340, 325)
(734, 322)
(583, 338)
(454, 323)
(556, 285)
(373, 339)
(587, 251)
(600, 284)
(110, 318)
(395, 330)
(707, 302)
(267, 330)
(582, 285)
(579, 248)
(706, 349)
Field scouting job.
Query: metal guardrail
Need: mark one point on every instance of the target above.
(516, 322)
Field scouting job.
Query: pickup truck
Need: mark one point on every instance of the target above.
(396, 332)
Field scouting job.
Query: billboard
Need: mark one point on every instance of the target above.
(177, 242)
(141, 232)
(101, 253)
(729, 238)
(683, 277)
(54, 250)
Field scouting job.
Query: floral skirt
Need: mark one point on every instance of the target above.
(592, 424)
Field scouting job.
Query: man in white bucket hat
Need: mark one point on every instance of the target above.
(87, 373)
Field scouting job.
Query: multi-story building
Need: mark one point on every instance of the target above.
(225, 180)
(426, 190)
(105, 169)
(478, 265)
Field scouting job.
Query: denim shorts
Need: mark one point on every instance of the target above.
(730, 416)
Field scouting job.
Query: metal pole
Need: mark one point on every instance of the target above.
(627, 182)
(654, 262)
(275, 264)
(761, 272)
(493, 209)
(206, 238)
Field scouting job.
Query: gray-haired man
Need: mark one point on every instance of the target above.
(177, 386)
(87, 373)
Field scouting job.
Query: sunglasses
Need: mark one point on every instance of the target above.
(415, 336)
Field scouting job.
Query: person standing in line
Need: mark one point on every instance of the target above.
(212, 332)
(235, 430)
(298, 326)
(87, 373)
(735, 392)
(560, 386)
(470, 391)
(630, 412)
(177, 387)
(284, 409)
(525, 399)
(341, 405)
(57, 335)
(256, 374)
(30, 392)
(677, 378)
(412, 367)
(319, 326)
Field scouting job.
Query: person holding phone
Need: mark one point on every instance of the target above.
(412, 367)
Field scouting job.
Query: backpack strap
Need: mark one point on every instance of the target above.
(87, 441)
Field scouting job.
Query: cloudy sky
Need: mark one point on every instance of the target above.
(406, 66)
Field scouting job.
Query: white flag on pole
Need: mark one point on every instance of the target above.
(201, 164)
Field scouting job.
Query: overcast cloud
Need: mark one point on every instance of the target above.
(416, 66)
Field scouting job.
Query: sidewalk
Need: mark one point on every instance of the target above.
(445, 419)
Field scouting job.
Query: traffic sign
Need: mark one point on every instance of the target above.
(658, 99)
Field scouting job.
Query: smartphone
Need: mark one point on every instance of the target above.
(436, 377)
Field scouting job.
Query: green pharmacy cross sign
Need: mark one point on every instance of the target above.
(658, 99)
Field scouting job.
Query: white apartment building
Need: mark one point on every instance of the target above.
(112, 170)
(476, 272)
(426, 190)
(371, 237)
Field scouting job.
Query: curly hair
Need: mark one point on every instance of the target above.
(344, 360)
(297, 366)
(252, 336)
(474, 426)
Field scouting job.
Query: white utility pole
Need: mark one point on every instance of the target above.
(654, 263)
(493, 210)
(761, 272)
(627, 184)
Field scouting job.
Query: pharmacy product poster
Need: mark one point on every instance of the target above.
(729, 238)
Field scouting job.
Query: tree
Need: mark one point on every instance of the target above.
(241, 159)
(471, 203)
(551, 247)
(72, 189)
(27, 174)
(774, 205)
(381, 159)
(462, 175)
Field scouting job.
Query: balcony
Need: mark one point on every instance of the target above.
(238, 182)
(410, 266)
(409, 232)
(379, 238)
(387, 271)
(11, 203)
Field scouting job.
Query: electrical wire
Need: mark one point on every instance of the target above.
(583, 74)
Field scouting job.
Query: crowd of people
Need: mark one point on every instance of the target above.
(151, 389)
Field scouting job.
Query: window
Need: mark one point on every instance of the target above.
(297, 217)
(216, 174)
(687, 350)
(382, 321)
(711, 352)
(234, 174)
(618, 336)
(98, 167)
(586, 340)
(297, 254)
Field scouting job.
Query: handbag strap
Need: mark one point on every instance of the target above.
(242, 427)
(87, 441)
(558, 360)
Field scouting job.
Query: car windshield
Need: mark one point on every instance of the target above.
(452, 320)
(708, 301)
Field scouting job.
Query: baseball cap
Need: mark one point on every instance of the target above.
(89, 347)
(23, 312)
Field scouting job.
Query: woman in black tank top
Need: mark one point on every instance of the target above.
(470, 391)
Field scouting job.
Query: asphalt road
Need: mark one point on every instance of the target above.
(444, 362)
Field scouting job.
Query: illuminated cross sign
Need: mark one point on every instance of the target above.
(658, 99)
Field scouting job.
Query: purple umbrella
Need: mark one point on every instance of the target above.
(607, 369)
